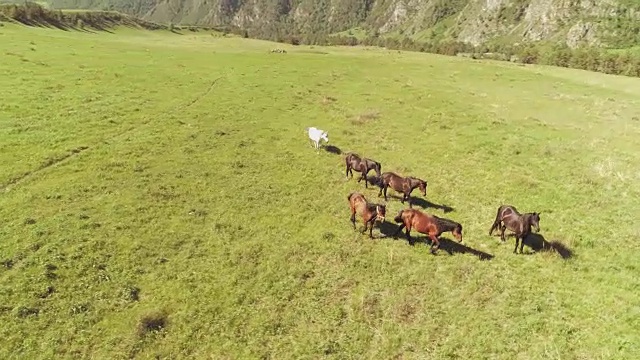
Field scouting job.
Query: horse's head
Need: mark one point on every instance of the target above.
(375, 180)
(457, 233)
(381, 212)
(534, 220)
(325, 136)
(398, 217)
(422, 185)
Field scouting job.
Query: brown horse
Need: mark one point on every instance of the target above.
(368, 211)
(353, 161)
(404, 185)
(430, 225)
(509, 218)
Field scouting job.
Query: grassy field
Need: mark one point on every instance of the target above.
(160, 198)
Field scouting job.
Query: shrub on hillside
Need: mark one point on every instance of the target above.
(559, 55)
(529, 55)
(608, 64)
(586, 59)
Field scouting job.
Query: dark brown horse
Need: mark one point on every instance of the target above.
(430, 225)
(509, 218)
(368, 211)
(404, 185)
(353, 161)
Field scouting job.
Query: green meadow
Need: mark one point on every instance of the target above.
(159, 198)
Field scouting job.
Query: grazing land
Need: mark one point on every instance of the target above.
(160, 197)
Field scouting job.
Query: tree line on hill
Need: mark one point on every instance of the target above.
(33, 14)
(623, 62)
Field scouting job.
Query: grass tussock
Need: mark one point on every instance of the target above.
(366, 117)
(152, 323)
(327, 100)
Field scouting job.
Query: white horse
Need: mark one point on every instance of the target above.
(317, 135)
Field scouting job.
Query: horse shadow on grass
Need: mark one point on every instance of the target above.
(426, 204)
(423, 203)
(449, 246)
(538, 243)
(332, 149)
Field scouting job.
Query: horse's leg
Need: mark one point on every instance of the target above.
(353, 218)
(409, 200)
(521, 244)
(373, 219)
(407, 233)
(434, 242)
(366, 222)
(349, 172)
(515, 250)
(502, 229)
(364, 175)
(386, 186)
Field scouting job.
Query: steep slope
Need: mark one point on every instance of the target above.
(591, 22)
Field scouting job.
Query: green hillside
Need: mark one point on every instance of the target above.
(160, 199)
(614, 23)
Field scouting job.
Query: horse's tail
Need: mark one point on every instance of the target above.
(496, 222)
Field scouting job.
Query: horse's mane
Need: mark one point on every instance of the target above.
(374, 206)
(527, 216)
(446, 224)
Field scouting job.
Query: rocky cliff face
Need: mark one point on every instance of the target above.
(575, 22)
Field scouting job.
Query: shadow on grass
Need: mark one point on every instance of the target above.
(423, 203)
(34, 15)
(44, 22)
(426, 204)
(332, 149)
(538, 243)
(450, 246)
(89, 26)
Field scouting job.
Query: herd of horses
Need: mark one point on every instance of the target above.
(410, 219)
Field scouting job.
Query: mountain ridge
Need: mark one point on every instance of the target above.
(612, 23)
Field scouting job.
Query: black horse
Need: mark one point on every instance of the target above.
(509, 218)
(353, 161)
(403, 185)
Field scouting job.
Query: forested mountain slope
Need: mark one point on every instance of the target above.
(615, 23)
